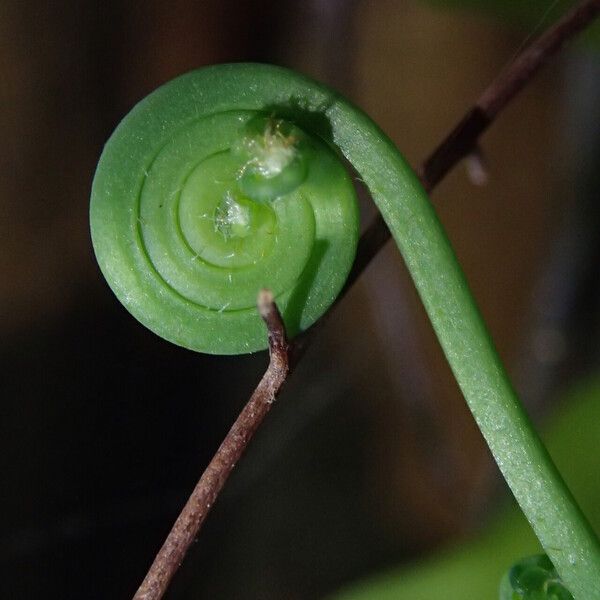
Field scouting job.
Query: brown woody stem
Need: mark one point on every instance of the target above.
(213, 479)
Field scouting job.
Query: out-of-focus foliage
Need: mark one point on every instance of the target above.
(474, 570)
(531, 16)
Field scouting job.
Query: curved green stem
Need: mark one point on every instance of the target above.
(528, 469)
(521, 456)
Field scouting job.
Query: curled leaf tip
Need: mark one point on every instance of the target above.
(203, 195)
(275, 158)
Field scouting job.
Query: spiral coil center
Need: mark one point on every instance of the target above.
(193, 214)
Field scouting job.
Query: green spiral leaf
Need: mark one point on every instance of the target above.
(228, 179)
(203, 196)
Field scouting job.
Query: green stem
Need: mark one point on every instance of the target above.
(528, 469)
(533, 478)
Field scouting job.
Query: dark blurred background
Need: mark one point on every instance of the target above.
(369, 457)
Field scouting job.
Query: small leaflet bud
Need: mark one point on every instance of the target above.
(533, 577)
(274, 154)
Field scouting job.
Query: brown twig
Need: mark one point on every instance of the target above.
(461, 142)
(503, 89)
(205, 493)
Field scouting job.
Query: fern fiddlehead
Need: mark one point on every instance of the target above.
(212, 201)
(201, 197)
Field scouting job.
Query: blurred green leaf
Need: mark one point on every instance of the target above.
(473, 570)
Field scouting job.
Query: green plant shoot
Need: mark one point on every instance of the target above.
(230, 179)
